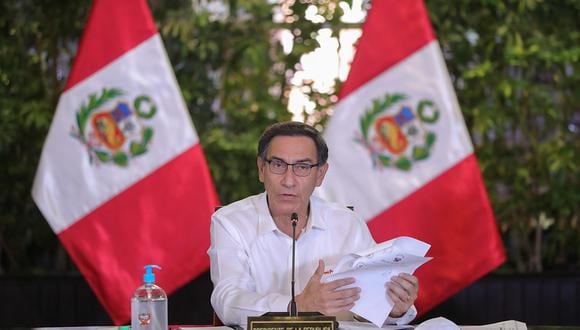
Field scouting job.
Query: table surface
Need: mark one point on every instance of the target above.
(210, 327)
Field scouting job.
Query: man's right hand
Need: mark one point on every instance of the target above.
(327, 298)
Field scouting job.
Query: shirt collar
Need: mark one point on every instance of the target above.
(316, 217)
(266, 223)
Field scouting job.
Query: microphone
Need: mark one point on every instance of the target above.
(294, 220)
(290, 319)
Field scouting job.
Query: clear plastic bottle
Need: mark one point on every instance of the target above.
(149, 304)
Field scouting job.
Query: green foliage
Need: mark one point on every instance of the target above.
(226, 69)
(515, 72)
(37, 40)
(515, 69)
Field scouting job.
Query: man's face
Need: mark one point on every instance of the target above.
(288, 192)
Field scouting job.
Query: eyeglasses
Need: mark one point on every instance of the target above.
(278, 166)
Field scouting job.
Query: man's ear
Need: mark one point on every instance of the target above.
(260, 162)
(320, 173)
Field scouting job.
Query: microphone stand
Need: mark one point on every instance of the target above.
(294, 220)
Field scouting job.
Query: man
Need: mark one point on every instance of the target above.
(251, 239)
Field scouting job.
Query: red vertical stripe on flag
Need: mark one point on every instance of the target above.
(452, 212)
(393, 30)
(113, 28)
(132, 230)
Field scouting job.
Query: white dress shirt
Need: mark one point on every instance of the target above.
(251, 259)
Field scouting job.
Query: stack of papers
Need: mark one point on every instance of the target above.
(374, 267)
(504, 325)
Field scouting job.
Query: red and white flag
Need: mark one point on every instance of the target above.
(401, 155)
(122, 179)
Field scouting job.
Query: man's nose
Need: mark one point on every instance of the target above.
(289, 178)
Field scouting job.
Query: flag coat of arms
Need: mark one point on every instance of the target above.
(122, 179)
(400, 152)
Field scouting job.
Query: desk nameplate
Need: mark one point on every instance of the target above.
(281, 321)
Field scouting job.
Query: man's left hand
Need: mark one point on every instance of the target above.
(403, 290)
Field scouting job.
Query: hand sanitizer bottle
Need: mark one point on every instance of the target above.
(149, 304)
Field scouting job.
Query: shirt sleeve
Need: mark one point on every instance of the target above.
(234, 296)
(404, 319)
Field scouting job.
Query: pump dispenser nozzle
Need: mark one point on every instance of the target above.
(149, 276)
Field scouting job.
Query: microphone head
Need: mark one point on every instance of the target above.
(294, 217)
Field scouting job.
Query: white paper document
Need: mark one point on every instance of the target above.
(504, 325)
(374, 267)
(355, 325)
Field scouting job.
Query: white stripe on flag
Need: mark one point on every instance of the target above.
(352, 179)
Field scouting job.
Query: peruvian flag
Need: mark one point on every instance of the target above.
(401, 155)
(122, 178)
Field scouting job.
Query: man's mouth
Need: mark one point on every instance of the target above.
(288, 196)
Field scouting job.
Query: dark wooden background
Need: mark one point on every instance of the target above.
(68, 301)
